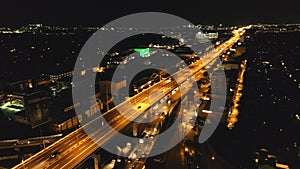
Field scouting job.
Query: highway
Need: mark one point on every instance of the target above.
(17, 143)
(77, 146)
(138, 155)
(139, 152)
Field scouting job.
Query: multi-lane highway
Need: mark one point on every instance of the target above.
(77, 146)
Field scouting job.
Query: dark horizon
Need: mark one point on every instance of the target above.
(98, 13)
(100, 25)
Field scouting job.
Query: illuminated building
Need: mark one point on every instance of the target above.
(29, 108)
(35, 28)
(214, 35)
(205, 37)
(201, 37)
(143, 52)
(2, 99)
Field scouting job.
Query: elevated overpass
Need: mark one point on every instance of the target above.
(77, 146)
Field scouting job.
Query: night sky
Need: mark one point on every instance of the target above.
(97, 13)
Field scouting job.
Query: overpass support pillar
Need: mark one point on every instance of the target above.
(135, 129)
(96, 158)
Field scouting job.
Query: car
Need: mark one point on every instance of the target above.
(54, 155)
